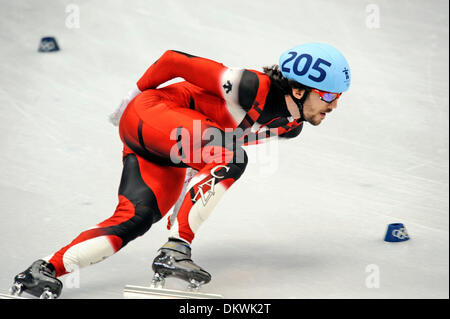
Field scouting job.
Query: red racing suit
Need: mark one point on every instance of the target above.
(201, 123)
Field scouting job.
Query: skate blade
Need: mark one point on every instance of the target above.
(139, 292)
(9, 296)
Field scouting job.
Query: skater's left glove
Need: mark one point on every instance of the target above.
(114, 118)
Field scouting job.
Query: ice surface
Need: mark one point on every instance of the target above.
(309, 225)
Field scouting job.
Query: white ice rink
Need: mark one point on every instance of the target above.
(309, 224)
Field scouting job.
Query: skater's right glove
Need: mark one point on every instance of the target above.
(114, 118)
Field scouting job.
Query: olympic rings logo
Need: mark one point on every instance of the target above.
(400, 233)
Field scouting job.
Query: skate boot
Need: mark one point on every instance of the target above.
(174, 260)
(38, 280)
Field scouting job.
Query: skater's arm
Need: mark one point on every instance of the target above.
(199, 71)
(244, 91)
(238, 86)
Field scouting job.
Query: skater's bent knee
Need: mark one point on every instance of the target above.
(235, 168)
(137, 225)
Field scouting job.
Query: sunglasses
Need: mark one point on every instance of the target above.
(327, 96)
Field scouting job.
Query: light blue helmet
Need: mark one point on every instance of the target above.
(317, 65)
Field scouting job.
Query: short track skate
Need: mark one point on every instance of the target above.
(39, 280)
(174, 260)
